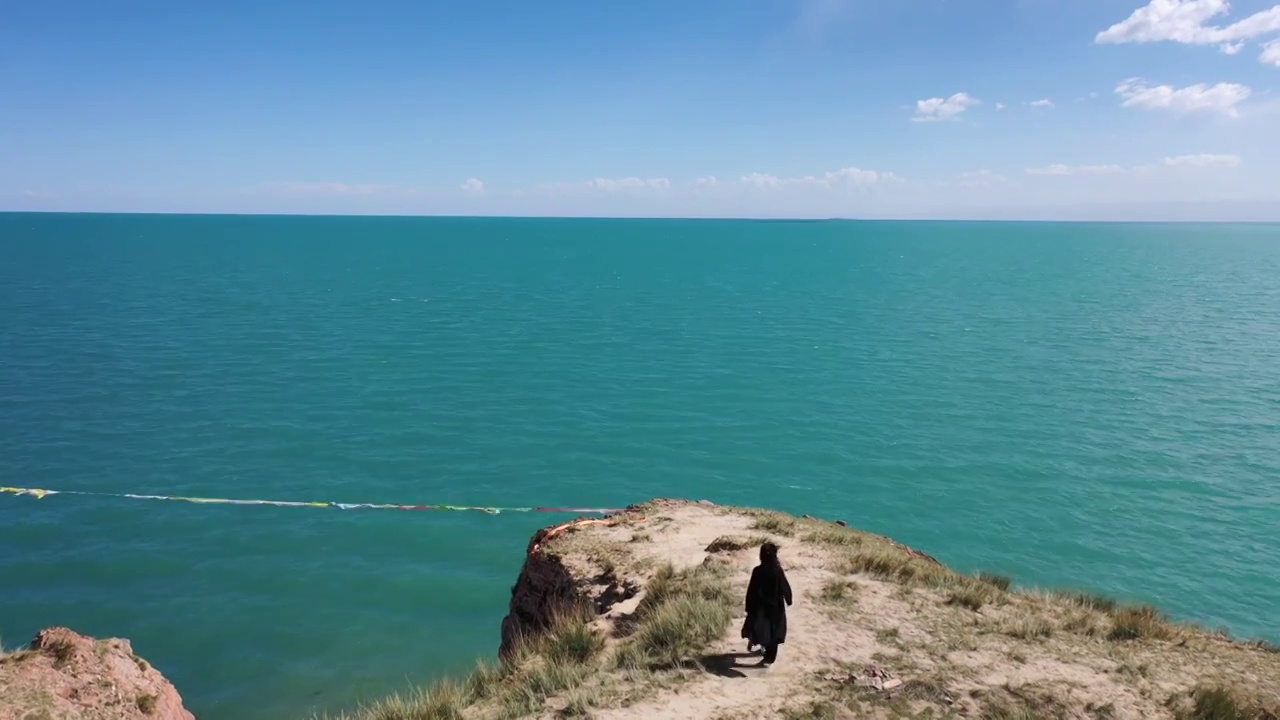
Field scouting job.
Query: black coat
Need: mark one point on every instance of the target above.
(768, 594)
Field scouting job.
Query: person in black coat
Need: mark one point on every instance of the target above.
(768, 594)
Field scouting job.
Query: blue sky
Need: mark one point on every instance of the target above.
(1122, 109)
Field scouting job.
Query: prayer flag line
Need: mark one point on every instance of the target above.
(40, 493)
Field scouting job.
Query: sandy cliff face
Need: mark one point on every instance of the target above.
(69, 676)
(550, 582)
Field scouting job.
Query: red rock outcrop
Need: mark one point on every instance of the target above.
(67, 675)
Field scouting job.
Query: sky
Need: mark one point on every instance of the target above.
(1000, 109)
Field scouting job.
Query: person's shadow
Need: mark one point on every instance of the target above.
(726, 664)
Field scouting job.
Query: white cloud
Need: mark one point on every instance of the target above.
(844, 177)
(36, 195)
(1046, 103)
(627, 185)
(999, 106)
(706, 186)
(1186, 21)
(1064, 170)
(937, 108)
(980, 179)
(1223, 97)
(1202, 160)
(472, 186)
(1271, 53)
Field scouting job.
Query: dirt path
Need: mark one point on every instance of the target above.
(734, 686)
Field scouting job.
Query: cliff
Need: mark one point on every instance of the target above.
(638, 616)
(68, 676)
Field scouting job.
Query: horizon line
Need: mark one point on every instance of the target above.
(659, 218)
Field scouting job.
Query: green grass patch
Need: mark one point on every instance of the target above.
(680, 614)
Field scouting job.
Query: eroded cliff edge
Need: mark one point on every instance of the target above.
(69, 676)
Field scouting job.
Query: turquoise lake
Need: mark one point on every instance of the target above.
(1074, 405)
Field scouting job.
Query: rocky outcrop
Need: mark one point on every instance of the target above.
(67, 675)
(550, 583)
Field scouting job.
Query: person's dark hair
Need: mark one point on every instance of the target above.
(769, 554)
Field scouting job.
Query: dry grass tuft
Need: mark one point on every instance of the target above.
(1000, 582)
(1086, 622)
(62, 651)
(572, 640)
(837, 590)
(1028, 627)
(680, 614)
(14, 656)
(1091, 601)
(774, 522)
(815, 710)
(545, 666)
(1224, 703)
(735, 543)
(1264, 646)
(835, 535)
(1025, 703)
(1141, 621)
(889, 563)
(973, 594)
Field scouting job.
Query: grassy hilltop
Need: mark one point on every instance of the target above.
(638, 617)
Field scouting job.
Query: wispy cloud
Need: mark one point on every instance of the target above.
(37, 195)
(935, 109)
(977, 179)
(844, 177)
(1202, 160)
(1046, 103)
(472, 186)
(1187, 22)
(1064, 170)
(1000, 106)
(631, 185)
(1222, 97)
